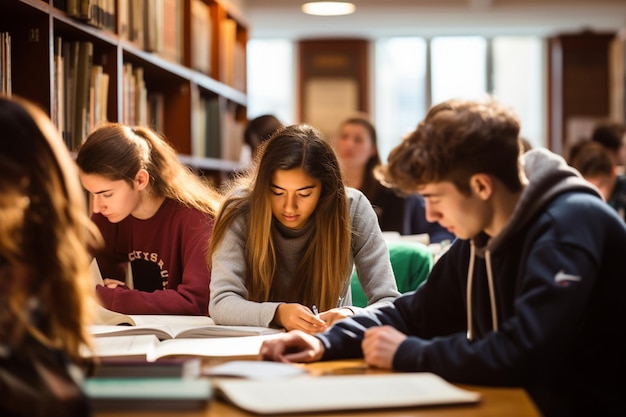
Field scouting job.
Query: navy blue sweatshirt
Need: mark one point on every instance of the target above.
(557, 317)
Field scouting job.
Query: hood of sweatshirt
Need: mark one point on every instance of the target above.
(548, 176)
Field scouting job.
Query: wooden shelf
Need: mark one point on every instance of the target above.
(579, 86)
(175, 91)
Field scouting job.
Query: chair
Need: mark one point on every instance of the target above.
(411, 263)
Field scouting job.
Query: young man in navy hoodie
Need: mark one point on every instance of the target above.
(533, 291)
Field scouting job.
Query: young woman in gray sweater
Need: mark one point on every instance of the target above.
(287, 240)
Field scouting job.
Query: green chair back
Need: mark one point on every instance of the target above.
(411, 263)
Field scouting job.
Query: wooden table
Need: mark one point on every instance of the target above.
(496, 402)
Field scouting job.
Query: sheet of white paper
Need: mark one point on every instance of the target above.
(343, 392)
(256, 370)
(213, 346)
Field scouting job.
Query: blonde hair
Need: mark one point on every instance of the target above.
(46, 289)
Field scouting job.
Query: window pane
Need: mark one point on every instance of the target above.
(399, 103)
(458, 68)
(518, 82)
(270, 79)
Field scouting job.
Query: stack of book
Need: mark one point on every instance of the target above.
(150, 362)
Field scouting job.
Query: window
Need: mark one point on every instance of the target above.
(270, 72)
(400, 89)
(404, 87)
(518, 82)
(458, 68)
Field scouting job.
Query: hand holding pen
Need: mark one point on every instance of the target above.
(294, 316)
(314, 310)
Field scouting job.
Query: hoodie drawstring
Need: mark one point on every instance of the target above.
(470, 277)
(492, 297)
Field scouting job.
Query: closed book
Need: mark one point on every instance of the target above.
(124, 394)
(201, 36)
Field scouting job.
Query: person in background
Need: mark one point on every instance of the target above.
(357, 151)
(258, 130)
(612, 136)
(595, 164)
(530, 294)
(525, 145)
(45, 295)
(155, 214)
(287, 238)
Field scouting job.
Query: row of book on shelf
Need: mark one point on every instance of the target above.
(81, 98)
(158, 26)
(82, 95)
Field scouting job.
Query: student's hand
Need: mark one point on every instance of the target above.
(335, 314)
(293, 316)
(380, 345)
(112, 283)
(295, 346)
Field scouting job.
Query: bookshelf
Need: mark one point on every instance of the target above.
(579, 86)
(333, 77)
(175, 65)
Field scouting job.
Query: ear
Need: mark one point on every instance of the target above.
(142, 179)
(481, 185)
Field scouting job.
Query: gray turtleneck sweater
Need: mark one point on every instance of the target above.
(229, 302)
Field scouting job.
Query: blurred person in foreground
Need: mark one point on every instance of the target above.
(45, 283)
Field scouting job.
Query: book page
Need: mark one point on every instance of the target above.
(173, 326)
(343, 392)
(149, 347)
(211, 347)
(218, 330)
(95, 273)
(253, 369)
(146, 321)
(105, 316)
(127, 347)
(162, 332)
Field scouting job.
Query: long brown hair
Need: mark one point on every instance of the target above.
(326, 262)
(117, 152)
(46, 290)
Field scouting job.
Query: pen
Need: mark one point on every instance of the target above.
(314, 309)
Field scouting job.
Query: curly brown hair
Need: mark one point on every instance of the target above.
(457, 139)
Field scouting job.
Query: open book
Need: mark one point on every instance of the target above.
(149, 348)
(342, 392)
(112, 323)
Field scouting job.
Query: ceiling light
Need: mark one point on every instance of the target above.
(328, 8)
